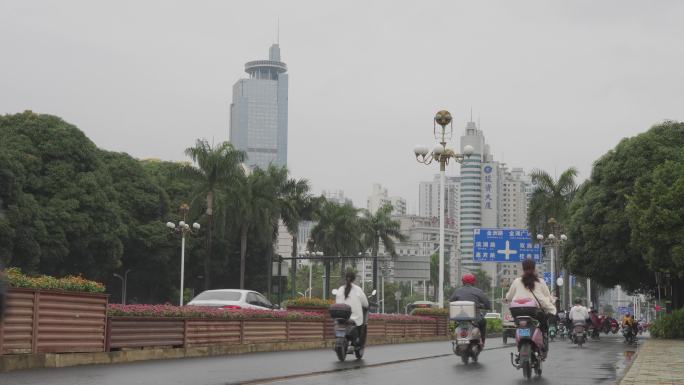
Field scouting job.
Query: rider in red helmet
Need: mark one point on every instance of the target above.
(468, 292)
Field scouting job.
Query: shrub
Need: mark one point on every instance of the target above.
(170, 311)
(309, 302)
(15, 278)
(494, 325)
(669, 326)
(427, 311)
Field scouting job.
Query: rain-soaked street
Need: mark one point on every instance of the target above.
(598, 362)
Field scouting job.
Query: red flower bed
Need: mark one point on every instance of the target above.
(170, 311)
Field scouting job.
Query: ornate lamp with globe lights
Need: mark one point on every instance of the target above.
(442, 155)
(183, 228)
(554, 241)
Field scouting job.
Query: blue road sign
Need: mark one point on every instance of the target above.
(504, 245)
(624, 310)
(547, 278)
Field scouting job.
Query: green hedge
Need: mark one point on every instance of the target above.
(15, 278)
(427, 311)
(493, 326)
(669, 325)
(312, 302)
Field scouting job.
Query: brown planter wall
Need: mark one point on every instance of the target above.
(136, 332)
(329, 322)
(42, 321)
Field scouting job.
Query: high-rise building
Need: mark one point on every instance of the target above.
(379, 197)
(491, 197)
(258, 114)
(336, 196)
(428, 195)
(473, 198)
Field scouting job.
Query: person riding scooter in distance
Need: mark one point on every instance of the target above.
(353, 296)
(579, 312)
(468, 292)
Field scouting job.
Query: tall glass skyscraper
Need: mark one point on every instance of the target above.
(258, 114)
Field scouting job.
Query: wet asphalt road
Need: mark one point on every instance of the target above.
(599, 362)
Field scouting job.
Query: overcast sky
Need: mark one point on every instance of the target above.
(554, 83)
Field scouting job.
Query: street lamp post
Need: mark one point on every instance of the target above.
(442, 155)
(183, 228)
(124, 285)
(554, 241)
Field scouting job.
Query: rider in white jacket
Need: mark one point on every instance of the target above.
(353, 296)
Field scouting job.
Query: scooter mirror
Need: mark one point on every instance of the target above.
(334, 291)
(374, 292)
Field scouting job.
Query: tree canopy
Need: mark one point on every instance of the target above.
(623, 222)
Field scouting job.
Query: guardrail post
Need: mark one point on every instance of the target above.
(36, 318)
(185, 333)
(108, 333)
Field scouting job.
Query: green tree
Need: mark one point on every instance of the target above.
(550, 199)
(483, 280)
(434, 275)
(336, 233)
(297, 204)
(601, 243)
(255, 205)
(380, 228)
(656, 217)
(214, 170)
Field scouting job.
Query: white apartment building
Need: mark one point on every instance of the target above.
(379, 197)
(428, 195)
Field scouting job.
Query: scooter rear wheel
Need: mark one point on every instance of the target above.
(341, 349)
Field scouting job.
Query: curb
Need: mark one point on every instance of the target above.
(627, 369)
(10, 363)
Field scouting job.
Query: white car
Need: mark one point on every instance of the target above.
(232, 299)
(493, 315)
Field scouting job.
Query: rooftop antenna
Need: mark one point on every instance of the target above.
(471, 114)
(278, 31)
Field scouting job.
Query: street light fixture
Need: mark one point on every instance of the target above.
(442, 155)
(124, 285)
(183, 228)
(554, 242)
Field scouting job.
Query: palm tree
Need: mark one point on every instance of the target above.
(296, 205)
(550, 199)
(213, 170)
(380, 228)
(254, 204)
(336, 233)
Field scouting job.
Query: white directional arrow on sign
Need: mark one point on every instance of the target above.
(507, 252)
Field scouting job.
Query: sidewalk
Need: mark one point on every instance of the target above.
(657, 362)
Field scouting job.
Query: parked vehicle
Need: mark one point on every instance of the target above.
(232, 299)
(349, 338)
(493, 316)
(528, 337)
(579, 333)
(419, 305)
(467, 339)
